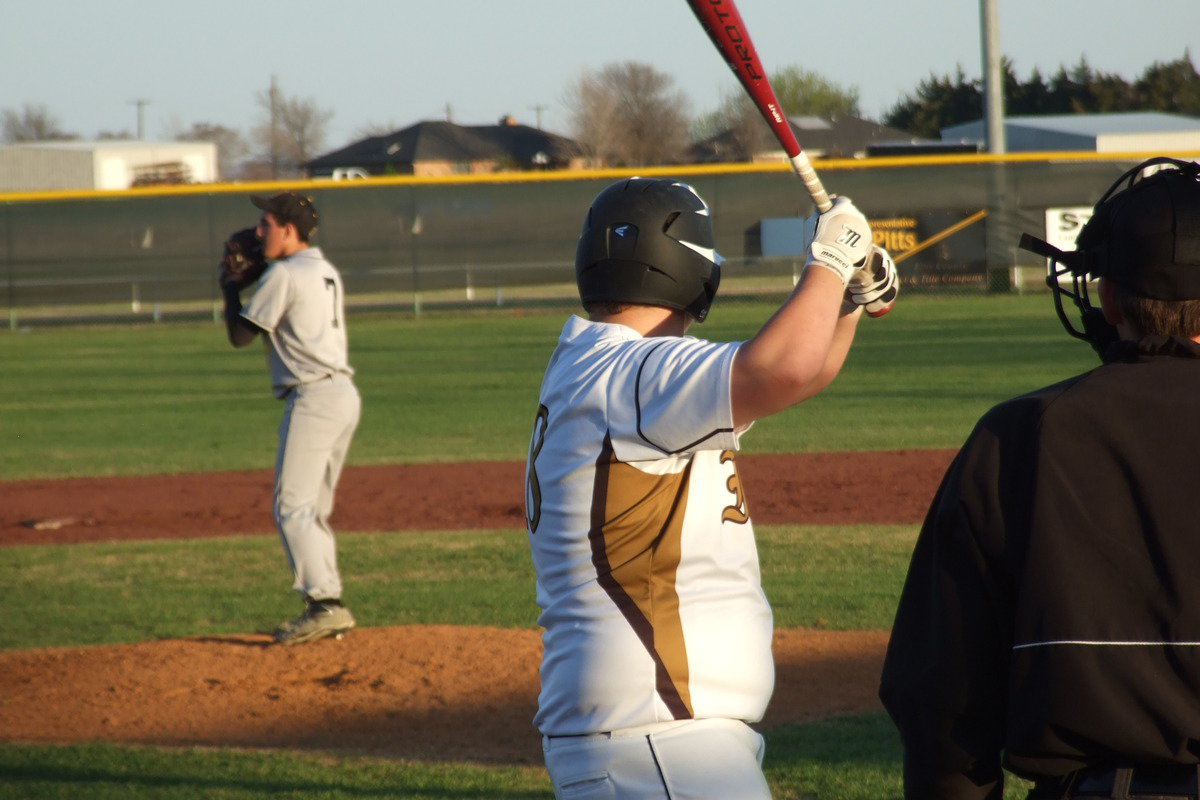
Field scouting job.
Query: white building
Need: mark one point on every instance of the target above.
(1132, 132)
(116, 164)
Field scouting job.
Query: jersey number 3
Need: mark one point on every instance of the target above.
(736, 512)
(533, 487)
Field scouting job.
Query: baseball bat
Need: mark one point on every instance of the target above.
(723, 24)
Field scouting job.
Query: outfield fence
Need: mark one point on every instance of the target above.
(952, 222)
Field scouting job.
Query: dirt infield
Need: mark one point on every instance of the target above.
(820, 488)
(440, 692)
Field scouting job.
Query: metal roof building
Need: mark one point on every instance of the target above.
(109, 164)
(1139, 131)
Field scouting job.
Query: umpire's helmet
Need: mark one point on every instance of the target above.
(1144, 234)
(648, 241)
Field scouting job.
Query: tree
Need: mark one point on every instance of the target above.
(629, 114)
(33, 123)
(373, 129)
(1171, 86)
(804, 92)
(232, 149)
(938, 102)
(1111, 93)
(1087, 91)
(293, 133)
(800, 92)
(1032, 94)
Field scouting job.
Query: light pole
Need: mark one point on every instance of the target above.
(999, 231)
(141, 108)
(993, 79)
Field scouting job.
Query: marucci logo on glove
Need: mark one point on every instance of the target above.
(842, 239)
(849, 237)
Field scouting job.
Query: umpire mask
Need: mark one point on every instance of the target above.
(1144, 234)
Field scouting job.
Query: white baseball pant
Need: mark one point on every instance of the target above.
(319, 420)
(706, 759)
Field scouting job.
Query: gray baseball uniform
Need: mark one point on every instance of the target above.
(299, 304)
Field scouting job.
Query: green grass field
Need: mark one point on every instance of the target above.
(841, 578)
(177, 398)
(144, 400)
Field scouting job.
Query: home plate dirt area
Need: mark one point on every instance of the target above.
(417, 692)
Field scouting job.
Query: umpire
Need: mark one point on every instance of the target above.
(1050, 621)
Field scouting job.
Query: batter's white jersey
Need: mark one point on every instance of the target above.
(647, 571)
(299, 303)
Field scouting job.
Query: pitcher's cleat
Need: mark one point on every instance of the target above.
(320, 619)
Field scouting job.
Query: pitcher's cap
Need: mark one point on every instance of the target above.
(290, 207)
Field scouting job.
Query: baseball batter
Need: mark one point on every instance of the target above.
(298, 307)
(657, 641)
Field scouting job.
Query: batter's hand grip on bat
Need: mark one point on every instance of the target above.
(874, 286)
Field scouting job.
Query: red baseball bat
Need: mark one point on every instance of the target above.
(723, 23)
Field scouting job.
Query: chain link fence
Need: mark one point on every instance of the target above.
(509, 240)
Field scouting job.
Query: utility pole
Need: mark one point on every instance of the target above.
(141, 107)
(993, 79)
(274, 104)
(1000, 229)
(538, 111)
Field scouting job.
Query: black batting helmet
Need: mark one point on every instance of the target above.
(648, 241)
(1144, 234)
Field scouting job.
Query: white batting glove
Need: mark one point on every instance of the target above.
(843, 239)
(875, 285)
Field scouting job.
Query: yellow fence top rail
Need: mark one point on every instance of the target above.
(829, 164)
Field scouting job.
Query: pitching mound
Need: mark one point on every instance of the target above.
(439, 692)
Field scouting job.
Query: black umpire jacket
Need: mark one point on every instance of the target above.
(1051, 613)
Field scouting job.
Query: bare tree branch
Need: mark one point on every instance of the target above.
(800, 93)
(293, 133)
(33, 123)
(629, 114)
(232, 148)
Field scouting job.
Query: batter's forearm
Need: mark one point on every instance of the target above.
(788, 360)
(839, 348)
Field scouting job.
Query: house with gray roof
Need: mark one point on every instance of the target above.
(444, 148)
(822, 137)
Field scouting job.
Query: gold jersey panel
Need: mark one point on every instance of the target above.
(636, 538)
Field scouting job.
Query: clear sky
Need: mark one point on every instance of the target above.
(391, 63)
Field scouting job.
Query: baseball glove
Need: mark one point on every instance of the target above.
(243, 262)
